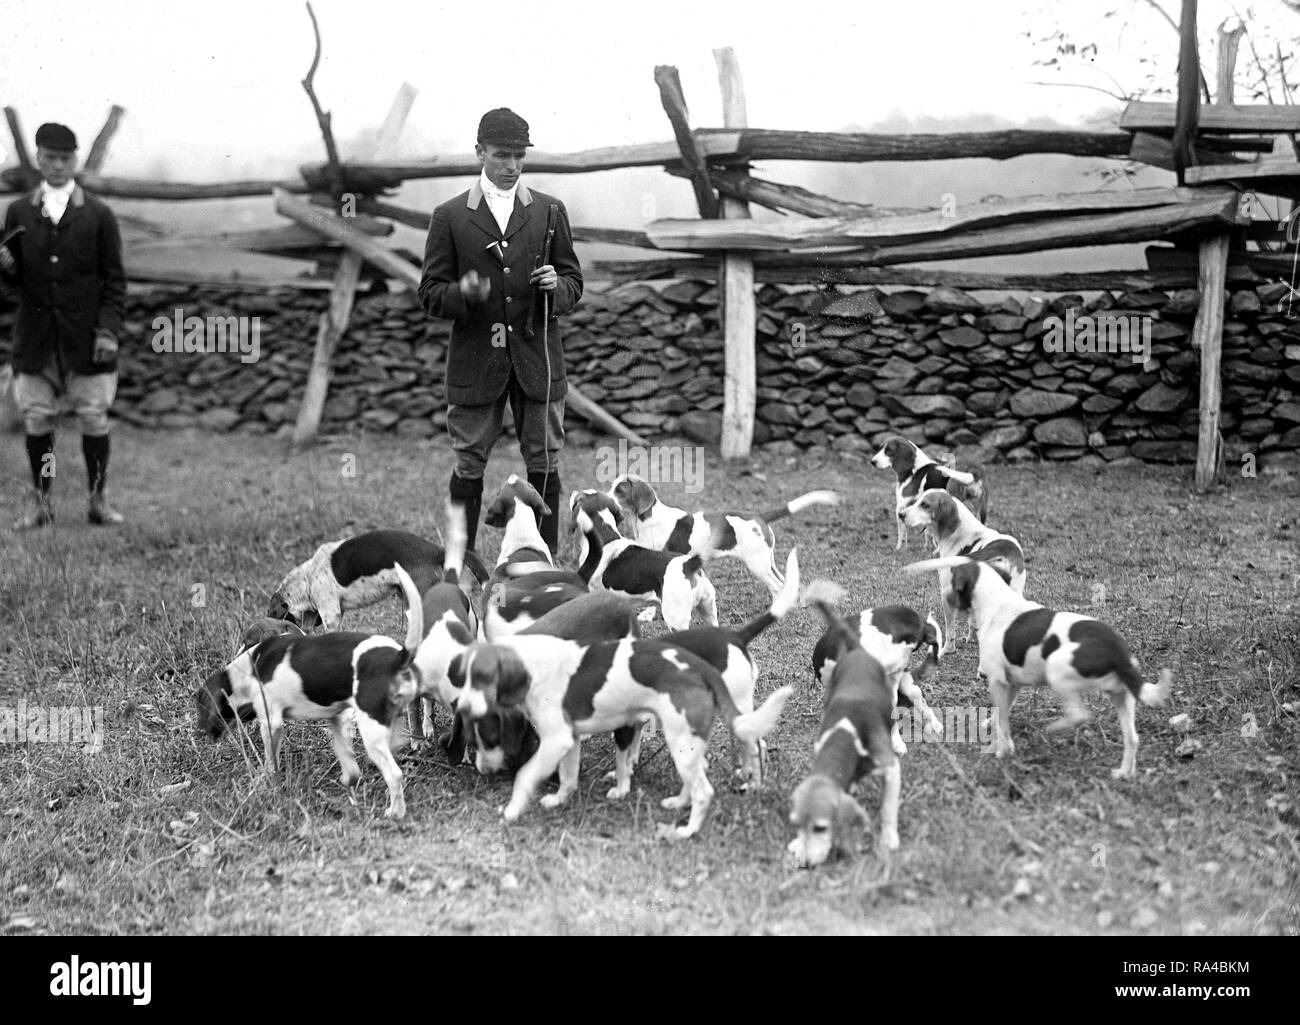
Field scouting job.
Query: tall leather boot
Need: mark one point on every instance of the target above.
(548, 486)
(95, 450)
(40, 452)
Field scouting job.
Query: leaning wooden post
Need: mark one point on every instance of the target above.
(1212, 275)
(736, 276)
(334, 321)
(99, 148)
(674, 104)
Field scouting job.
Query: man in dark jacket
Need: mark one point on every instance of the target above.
(67, 266)
(483, 269)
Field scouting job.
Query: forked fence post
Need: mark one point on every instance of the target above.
(1207, 332)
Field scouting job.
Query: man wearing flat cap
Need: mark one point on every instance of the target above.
(483, 269)
(67, 266)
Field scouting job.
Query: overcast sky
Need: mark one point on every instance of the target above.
(212, 89)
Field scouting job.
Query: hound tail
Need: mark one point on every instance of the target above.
(1157, 693)
(930, 565)
(960, 476)
(781, 604)
(457, 539)
(798, 505)
(752, 726)
(414, 611)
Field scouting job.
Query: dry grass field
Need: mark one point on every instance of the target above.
(161, 832)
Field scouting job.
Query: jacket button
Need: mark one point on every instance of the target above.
(508, 299)
(505, 270)
(54, 259)
(505, 244)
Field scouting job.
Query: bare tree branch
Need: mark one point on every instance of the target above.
(1123, 98)
(323, 117)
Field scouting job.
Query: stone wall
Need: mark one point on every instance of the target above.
(940, 366)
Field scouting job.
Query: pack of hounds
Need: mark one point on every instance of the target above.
(548, 656)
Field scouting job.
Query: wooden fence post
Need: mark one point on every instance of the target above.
(736, 276)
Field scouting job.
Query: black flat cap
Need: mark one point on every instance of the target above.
(503, 127)
(55, 136)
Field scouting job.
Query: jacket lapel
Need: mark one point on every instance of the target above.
(522, 212)
(480, 215)
(76, 203)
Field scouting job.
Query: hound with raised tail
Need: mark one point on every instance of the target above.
(957, 531)
(525, 585)
(324, 676)
(356, 572)
(891, 634)
(447, 610)
(614, 563)
(854, 739)
(916, 473)
(570, 689)
(1023, 644)
(710, 535)
(728, 652)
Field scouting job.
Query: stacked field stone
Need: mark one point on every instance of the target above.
(941, 366)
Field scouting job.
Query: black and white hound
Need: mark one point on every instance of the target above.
(854, 740)
(447, 609)
(916, 473)
(330, 676)
(569, 689)
(891, 634)
(525, 585)
(503, 739)
(956, 531)
(710, 535)
(615, 563)
(356, 572)
(1023, 644)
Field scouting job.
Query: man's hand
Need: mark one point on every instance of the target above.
(544, 277)
(474, 288)
(7, 262)
(105, 346)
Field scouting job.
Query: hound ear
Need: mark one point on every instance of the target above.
(512, 678)
(518, 731)
(850, 823)
(496, 513)
(963, 585)
(456, 671)
(643, 497)
(944, 511)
